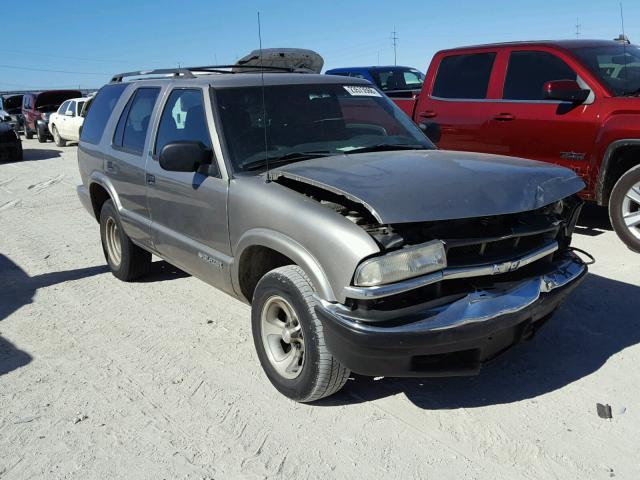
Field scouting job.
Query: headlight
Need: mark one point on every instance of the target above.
(406, 263)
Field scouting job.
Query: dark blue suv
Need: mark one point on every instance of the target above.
(395, 81)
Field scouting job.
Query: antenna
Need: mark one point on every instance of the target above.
(394, 39)
(264, 106)
(578, 27)
(624, 44)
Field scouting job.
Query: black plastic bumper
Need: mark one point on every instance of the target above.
(453, 340)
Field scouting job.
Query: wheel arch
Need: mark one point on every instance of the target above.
(619, 157)
(261, 250)
(101, 190)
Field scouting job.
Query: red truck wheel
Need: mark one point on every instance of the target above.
(624, 208)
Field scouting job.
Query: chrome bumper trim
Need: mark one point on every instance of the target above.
(477, 306)
(368, 293)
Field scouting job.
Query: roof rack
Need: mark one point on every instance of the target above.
(188, 72)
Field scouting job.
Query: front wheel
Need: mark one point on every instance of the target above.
(289, 337)
(624, 208)
(126, 260)
(60, 142)
(27, 133)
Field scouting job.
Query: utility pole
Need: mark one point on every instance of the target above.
(394, 39)
(578, 27)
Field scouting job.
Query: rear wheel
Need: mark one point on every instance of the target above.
(289, 337)
(126, 260)
(624, 208)
(27, 133)
(41, 136)
(60, 142)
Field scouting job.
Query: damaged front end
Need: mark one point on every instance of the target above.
(501, 278)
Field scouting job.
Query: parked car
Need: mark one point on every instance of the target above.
(66, 122)
(394, 81)
(10, 144)
(8, 119)
(574, 103)
(313, 198)
(12, 104)
(38, 107)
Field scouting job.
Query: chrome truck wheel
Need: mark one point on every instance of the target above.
(282, 337)
(624, 208)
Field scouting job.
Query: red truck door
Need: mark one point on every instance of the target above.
(531, 127)
(459, 99)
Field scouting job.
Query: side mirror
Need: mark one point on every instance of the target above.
(69, 114)
(565, 91)
(184, 156)
(431, 131)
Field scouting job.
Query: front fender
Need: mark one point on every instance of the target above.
(287, 246)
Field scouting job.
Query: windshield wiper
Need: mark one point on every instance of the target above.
(631, 93)
(286, 158)
(382, 147)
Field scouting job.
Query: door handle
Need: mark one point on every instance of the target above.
(427, 114)
(504, 117)
(109, 167)
(151, 179)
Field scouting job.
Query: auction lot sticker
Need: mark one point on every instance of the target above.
(358, 91)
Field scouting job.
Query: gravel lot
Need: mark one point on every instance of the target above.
(159, 379)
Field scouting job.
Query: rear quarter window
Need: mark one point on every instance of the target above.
(100, 111)
(464, 76)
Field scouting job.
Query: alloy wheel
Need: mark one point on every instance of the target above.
(112, 240)
(282, 338)
(631, 210)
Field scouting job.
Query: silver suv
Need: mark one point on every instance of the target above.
(359, 245)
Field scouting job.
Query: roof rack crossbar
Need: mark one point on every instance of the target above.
(184, 72)
(187, 72)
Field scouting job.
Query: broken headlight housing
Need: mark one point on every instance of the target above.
(402, 264)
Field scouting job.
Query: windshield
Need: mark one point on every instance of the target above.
(304, 121)
(617, 66)
(398, 78)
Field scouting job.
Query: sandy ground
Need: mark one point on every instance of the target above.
(159, 379)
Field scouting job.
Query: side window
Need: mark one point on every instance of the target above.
(529, 71)
(63, 108)
(100, 111)
(131, 131)
(464, 76)
(72, 109)
(183, 119)
(80, 105)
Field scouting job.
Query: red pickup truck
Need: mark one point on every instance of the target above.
(574, 103)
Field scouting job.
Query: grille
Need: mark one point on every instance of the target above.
(480, 251)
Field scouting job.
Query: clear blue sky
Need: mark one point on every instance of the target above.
(99, 39)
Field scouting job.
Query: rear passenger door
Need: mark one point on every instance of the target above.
(189, 210)
(547, 130)
(125, 161)
(462, 102)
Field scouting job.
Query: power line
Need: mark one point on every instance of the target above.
(15, 67)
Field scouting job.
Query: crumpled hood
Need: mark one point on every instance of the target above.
(419, 185)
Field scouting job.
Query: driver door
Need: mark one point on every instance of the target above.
(188, 210)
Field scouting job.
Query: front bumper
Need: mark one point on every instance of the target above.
(454, 339)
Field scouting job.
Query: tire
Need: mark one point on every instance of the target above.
(625, 202)
(316, 373)
(41, 136)
(60, 142)
(126, 260)
(17, 153)
(27, 133)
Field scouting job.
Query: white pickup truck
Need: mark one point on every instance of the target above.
(65, 123)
